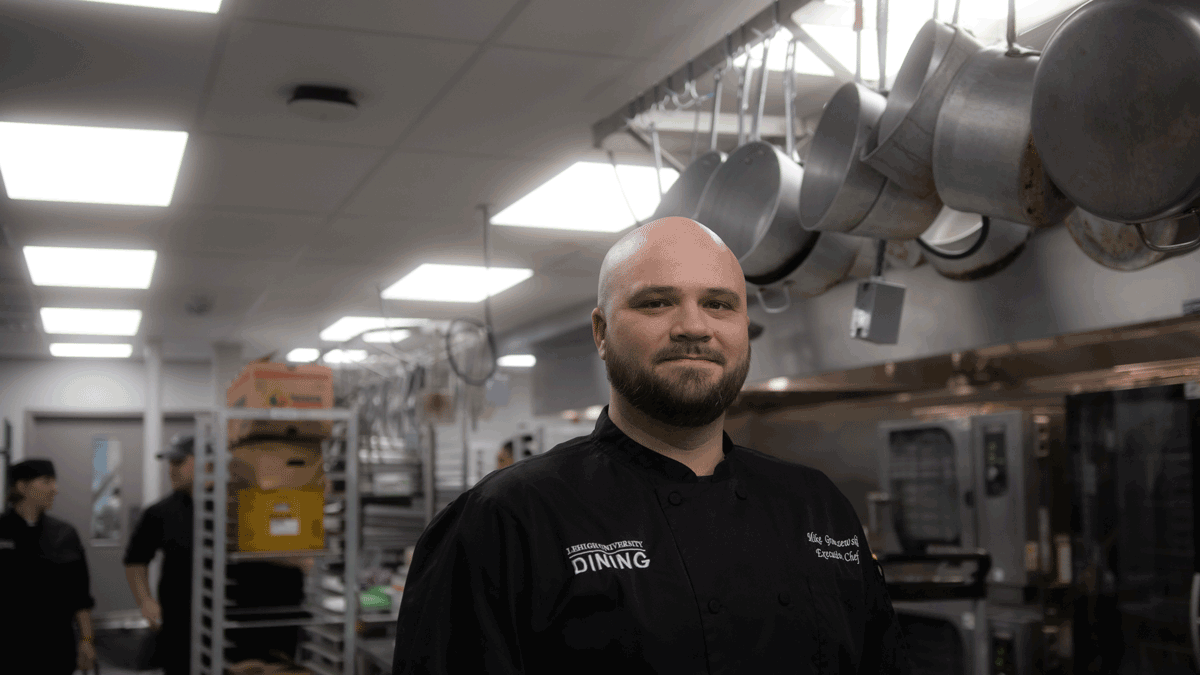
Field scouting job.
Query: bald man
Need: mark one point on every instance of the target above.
(654, 544)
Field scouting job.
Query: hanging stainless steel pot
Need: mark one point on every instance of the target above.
(753, 204)
(1118, 247)
(956, 233)
(683, 198)
(1115, 113)
(984, 159)
(841, 193)
(902, 146)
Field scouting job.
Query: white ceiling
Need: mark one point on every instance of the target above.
(287, 224)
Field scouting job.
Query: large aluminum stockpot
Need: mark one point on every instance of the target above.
(839, 189)
(984, 159)
(824, 266)
(683, 197)
(1116, 108)
(753, 204)
(902, 146)
(955, 232)
(1118, 247)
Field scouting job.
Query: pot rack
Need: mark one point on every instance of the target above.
(681, 83)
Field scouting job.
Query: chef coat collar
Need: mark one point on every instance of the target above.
(609, 436)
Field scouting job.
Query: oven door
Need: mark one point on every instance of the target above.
(945, 637)
(926, 469)
(1134, 532)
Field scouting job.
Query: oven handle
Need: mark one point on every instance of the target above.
(1194, 617)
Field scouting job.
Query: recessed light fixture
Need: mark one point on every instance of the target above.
(71, 321)
(349, 326)
(390, 336)
(517, 361)
(346, 356)
(90, 165)
(593, 412)
(303, 355)
(95, 351)
(588, 197)
(90, 267)
(205, 6)
(324, 104)
(455, 283)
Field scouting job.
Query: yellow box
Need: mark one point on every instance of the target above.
(280, 520)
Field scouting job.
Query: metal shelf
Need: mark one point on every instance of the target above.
(210, 547)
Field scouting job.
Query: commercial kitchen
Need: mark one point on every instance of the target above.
(332, 267)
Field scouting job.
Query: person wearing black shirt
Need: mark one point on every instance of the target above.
(44, 582)
(654, 544)
(167, 526)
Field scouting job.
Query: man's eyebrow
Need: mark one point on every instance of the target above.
(673, 291)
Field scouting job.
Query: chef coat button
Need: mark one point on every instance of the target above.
(675, 499)
(785, 599)
(714, 606)
(740, 492)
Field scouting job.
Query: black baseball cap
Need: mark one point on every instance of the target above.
(182, 447)
(31, 469)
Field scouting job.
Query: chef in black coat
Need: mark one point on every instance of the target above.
(167, 526)
(44, 585)
(654, 544)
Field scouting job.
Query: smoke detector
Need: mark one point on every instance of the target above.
(324, 104)
(198, 305)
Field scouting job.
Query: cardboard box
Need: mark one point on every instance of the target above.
(263, 384)
(279, 520)
(272, 464)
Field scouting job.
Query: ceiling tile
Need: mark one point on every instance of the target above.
(470, 20)
(392, 78)
(103, 65)
(440, 187)
(628, 28)
(356, 239)
(31, 223)
(241, 234)
(492, 109)
(223, 171)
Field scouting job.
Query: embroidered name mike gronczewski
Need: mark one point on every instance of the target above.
(847, 556)
(620, 555)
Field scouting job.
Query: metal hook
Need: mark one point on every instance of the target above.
(1013, 48)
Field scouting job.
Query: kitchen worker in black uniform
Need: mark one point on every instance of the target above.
(44, 586)
(654, 544)
(167, 526)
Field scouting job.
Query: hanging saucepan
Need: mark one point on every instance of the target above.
(1117, 245)
(984, 160)
(752, 203)
(1115, 113)
(967, 246)
(683, 198)
(902, 146)
(904, 255)
(831, 255)
(841, 193)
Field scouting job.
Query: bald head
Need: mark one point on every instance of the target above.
(657, 249)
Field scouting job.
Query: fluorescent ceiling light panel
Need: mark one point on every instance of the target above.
(90, 267)
(303, 355)
(90, 165)
(517, 361)
(68, 321)
(95, 351)
(455, 283)
(346, 356)
(388, 336)
(206, 6)
(588, 197)
(348, 327)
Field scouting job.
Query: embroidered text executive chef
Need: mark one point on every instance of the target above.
(654, 544)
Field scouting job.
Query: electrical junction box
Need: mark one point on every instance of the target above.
(877, 309)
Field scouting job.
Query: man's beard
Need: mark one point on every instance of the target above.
(683, 397)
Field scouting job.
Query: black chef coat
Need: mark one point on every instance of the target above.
(43, 583)
(167, 526)
(604, 556)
